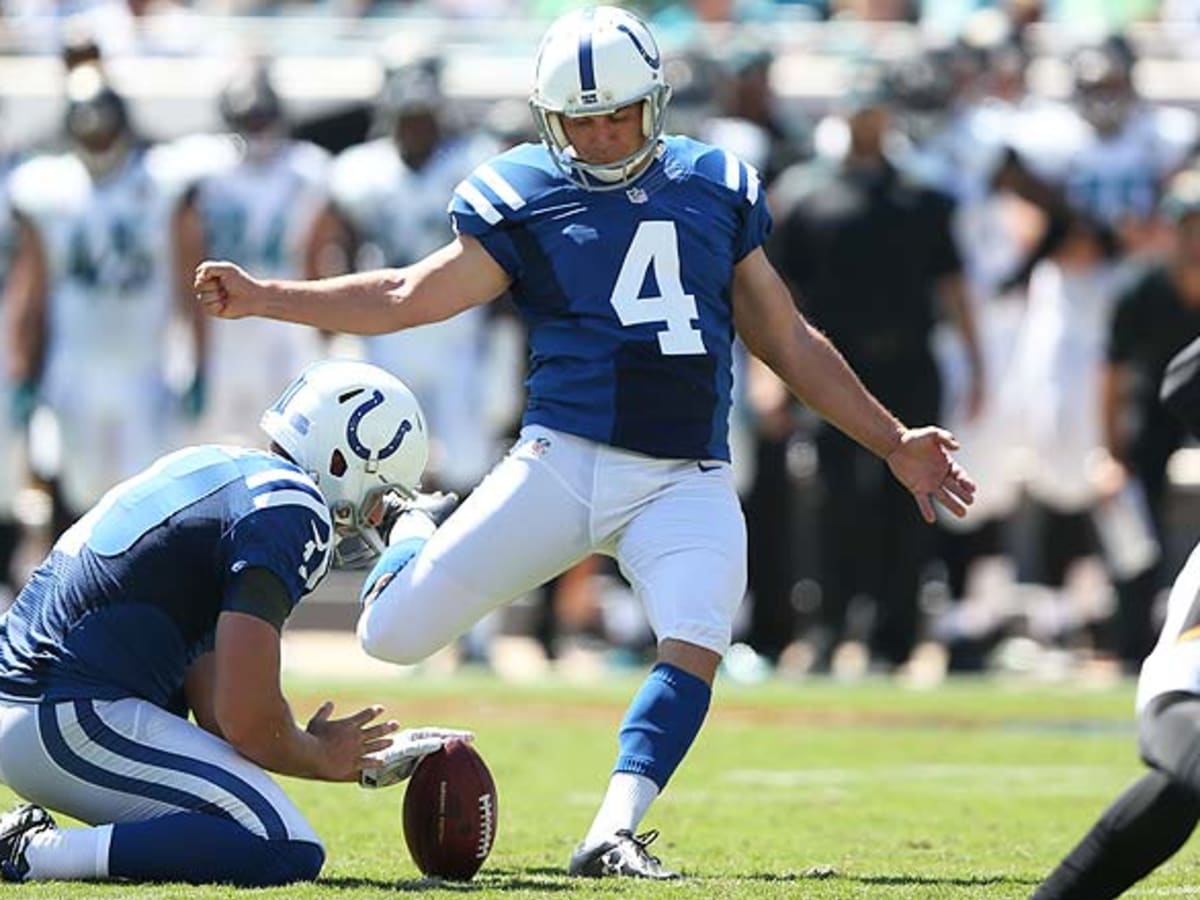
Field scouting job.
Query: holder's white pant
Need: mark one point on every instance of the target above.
(674, 526)
(104, 761)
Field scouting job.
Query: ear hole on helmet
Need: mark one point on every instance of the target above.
(337, 464)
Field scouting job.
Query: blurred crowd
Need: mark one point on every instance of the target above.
(1017, 267)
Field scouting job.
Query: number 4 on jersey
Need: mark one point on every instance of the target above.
(656, 244)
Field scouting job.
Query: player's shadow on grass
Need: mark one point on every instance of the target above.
(491, 880)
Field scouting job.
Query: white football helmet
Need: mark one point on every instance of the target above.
(592, 62)
(358, 431)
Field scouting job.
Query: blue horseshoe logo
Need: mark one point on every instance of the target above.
(361, 449)
(652, 61)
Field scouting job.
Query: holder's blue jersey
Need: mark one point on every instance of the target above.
(130, 594)
(627, 293)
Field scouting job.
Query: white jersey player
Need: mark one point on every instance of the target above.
(1113, 160)
(260, 211)
(92, 297)
(391, 195)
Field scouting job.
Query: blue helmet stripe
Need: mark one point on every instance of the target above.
(587, 70)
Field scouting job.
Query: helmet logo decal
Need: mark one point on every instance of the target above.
(587, 68)
(652, 61)
(362, 450)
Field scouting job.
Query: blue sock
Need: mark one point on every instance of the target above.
(391, 561)
(204, 849)
(661, 723)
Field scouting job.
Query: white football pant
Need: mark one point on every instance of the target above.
(674, 526)
(104, 761)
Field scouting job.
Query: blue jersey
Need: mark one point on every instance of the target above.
(130, 594)
(627, 294)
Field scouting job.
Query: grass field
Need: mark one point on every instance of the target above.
(813, 790)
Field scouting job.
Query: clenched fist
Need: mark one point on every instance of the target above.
(225, 290)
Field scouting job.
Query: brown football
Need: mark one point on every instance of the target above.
(450, 812)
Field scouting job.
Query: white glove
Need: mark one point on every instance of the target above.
(408, 748)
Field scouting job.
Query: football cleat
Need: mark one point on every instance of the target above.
(624, 854)
(17, 826)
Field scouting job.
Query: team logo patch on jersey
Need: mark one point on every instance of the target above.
(581, 234)
(540, 447)
(637, 195)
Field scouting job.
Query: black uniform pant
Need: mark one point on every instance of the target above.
(1150, 821)
(873, 540)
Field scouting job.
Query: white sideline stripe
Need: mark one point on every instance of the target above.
(733, 175)
(751, 184)
(475, 199)
(292, 498)
(101, 757)
(503, 189)
(258, 479)
(1010, 775)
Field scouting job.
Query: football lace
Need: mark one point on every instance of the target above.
(487, 821)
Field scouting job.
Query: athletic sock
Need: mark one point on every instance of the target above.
(659, 727)
(69, 854)
(204, 849)
(625, 804)
(1142, 829)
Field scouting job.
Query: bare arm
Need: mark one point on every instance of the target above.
(25, 303)
(456, 277)
(952, 289)
(811, 367)
(199, 687)
(188, 238)
(1112, 377)
(771, 327)
(250, 711)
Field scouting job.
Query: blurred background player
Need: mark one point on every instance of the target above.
(92, 293)
(838, 214)
(169, 596)
(260, 210)
(1155, 316)
(388, 209)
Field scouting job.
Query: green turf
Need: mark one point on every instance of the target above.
(813, 790)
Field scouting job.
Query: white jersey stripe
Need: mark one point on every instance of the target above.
(292, 498)
(751, 184)
(106, 760)
(478, 202)
(258, 479)
(733, 175)
(502, 188)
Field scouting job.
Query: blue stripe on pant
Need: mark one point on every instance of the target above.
(203, 843)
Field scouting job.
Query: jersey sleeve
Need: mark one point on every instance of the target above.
(482, 206)
(292, 541)
(745, 189)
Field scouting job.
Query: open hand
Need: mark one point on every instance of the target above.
(923, 464)
(346, 744)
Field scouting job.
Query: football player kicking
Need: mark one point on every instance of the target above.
(633, 257)
(1155, 816)
(170, 594)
